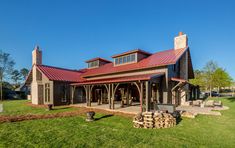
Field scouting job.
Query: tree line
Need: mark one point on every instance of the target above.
(211, 76)
(7, 73)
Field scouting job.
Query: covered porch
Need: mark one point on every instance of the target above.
(130, 93)
(183, 91)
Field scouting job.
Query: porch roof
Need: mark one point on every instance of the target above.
(179, 80)
(143, 77)
(183, 81)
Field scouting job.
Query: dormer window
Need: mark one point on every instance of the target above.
(97, 62)
(131, 58)
(93, 64)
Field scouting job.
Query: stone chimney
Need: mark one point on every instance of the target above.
(37, 56)
(181, 41)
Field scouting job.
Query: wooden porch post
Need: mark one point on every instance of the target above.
(109, 95)
(128, 94)
(89, 95)
(157, 93)
(147, 99)
(73, 91)
(112, 98)
(141, 96)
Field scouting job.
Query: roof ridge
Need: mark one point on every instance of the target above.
(74, 70)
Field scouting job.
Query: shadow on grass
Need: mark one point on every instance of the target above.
(231, 99)
(178, 120)
(103, 117)
(61, 108)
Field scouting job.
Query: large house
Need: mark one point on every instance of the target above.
(134, 77)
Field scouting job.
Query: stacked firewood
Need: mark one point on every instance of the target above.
(154, 120)
(138, 121)
(164, 120)
(148, 120)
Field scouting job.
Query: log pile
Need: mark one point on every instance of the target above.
(138, 121)
(154, 120)
(148, 120)
(164, 120)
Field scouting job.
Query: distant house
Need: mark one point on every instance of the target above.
(134, 77)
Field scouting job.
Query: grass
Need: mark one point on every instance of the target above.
(19, 107)
(116, 131)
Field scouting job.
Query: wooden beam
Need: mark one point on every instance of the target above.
(109, 95)
(112, 98)
(73, 91)
(141, 96)
(147, 98)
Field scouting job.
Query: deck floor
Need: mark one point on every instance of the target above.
(133, 109)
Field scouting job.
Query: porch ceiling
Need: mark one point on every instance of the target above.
(143, 77)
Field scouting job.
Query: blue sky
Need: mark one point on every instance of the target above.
(70, 32)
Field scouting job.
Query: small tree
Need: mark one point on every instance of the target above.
(16, 77)
(221, 78)
(6, 67)
(209, 70)
(24, 72)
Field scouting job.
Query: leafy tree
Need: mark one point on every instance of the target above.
(221, 78)
(209, 70)
(16, 77)
(6, 67)
(211, 76)
(199, 79)
(24, 72)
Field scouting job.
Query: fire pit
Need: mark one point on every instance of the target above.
(90, 116)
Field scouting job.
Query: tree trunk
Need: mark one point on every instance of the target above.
(210, 91)
(1, 88)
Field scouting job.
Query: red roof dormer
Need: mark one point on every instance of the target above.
(97, 62)
(132, 56)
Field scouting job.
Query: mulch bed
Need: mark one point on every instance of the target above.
(17, 118)
(80, 111)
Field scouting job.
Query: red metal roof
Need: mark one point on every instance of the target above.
(132, 51)
(121, 79)
(60, 74)
(158, 59)
(162, 58)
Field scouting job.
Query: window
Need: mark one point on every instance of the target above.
(132, 57)
(47, 92)
(116, 60)
(128, 58)
(120, 60)
(93, 64)
(124, 59)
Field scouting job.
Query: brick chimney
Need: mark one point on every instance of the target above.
(180, 41)
(37, 56)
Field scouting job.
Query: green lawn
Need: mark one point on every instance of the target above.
(116, 131)
(19, 107)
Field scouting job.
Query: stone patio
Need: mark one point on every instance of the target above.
(202, 110)
(135, 108)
